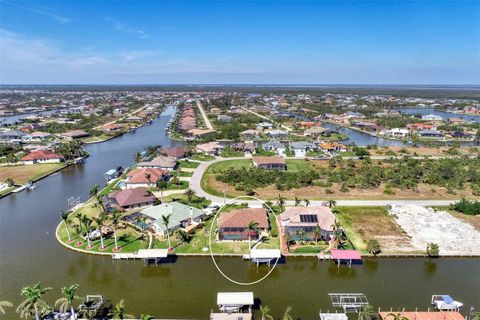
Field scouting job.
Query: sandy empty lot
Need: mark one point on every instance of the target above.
(424, 225)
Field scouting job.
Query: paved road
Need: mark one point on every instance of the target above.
(195, 185)
(204, 115)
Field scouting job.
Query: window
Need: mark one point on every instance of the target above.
(309, 218)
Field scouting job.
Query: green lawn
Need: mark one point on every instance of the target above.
(6, 191)
(202, 157)
(309, 249)
(297, 165)
(182, 174)
(197, 202)
(178, 186)
(218, 167)
(108, 188)
(231, 154)
(24, 173)
(188, 164)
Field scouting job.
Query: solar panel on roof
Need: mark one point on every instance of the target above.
(308, 218)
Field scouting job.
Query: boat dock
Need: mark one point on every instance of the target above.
(147, 255)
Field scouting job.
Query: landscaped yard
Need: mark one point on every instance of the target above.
(231, 154)
(297, 165)
(202, 157)
(188, 164)
(24, 173)
(362, 224)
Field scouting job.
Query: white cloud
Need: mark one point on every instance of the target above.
(59, 18)
(119, 26)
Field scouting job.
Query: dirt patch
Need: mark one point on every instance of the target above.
(23, 174)
(472, 220)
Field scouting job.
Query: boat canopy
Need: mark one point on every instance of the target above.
(265, 254)
(235, 299)
(152, 253)
(333, 316)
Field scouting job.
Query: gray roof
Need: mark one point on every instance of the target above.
(273, 144)
(179, 212)
(12, 134)
(303, 145)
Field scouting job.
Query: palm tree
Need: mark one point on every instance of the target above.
(367, 313)
(331, 203)
(33, 305)
(281, 201)
(161, 185)
(297, 202)
(396, 316)
(252, 227)
(190, 194)
(265, 312)
(148, 176)
(118, 312)
(475, 315)
(317, 233)
(146, 317)
(64, 214)
(115, 219)
(307, 202)
(286, 315)
(301, 234)
(66, 302)
(100, 221)
(166, 221)
(138, 157)
(87, 222)
(5, 304)
(93, 192)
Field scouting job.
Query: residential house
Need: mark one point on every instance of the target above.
(301, 222)
(224, 118)
(353, 115)
(432, 133)
(315, 132)
(145, 177)
(249, 134)
(212, 148)
(234, 225)
(160, 162)
(300, 148)
(75, 134)
(247, 147)
(11, 136)
(397, 132)
(264, 126)
(455, 121)
(42, 156)
(277, 134)
(275, 146)
(175, 152)
(269, 163)
(36, 136)
(180, 216)
(431, 117)
(366, 126)
(332, 147)
(129, 199)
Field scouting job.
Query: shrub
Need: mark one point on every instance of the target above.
(467, 207)
(373, 247)
(433, 251)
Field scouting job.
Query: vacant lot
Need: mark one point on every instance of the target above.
(23, 174)
(366, 223)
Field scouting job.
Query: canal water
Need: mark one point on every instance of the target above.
(188, 287)
(444, 114)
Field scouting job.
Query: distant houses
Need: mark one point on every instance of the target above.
(211, 148)
(160, 162)
(75, 134)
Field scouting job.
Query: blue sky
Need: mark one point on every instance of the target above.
(279, 42)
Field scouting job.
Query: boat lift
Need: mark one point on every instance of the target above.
(444, 302)
(259, 256)
(350, 302)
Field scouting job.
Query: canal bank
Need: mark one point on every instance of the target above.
(29, 252)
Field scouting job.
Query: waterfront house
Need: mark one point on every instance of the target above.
(181, 216)
(175, 152)
(306, 219)
(275, 146)
(249, 134)
(75, 134)
(332, 147)
(353, 115)
(234, 225)
(134, 119)
(300, 148)
(199, 133)
(11, 136)
(128, 199)
(247, 147)
(212, 148)
(269, 163)
(315, 132)
(160, 162)
(432, 133)
(42, 156)
(455, 121)
(36, 136)
(397, 132)
(145, 177)
(366, 126)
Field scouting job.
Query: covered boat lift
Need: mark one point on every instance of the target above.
(345, 256)
(263, 255)
(231, 302)
(333, 316)
(350, 302)
(147, 255)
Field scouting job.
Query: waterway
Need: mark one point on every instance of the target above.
(188, 287)
(444, 114)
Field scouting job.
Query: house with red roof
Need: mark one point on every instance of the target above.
(145, 177)
(129, 199)
(234, 225)
(42, 156)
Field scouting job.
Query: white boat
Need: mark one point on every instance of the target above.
(444, 302)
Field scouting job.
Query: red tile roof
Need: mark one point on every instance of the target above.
(241, 218)
(139, 175)
(268, 160)
(130, 197)
(41, 155)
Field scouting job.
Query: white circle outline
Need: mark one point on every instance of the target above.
(210, 243)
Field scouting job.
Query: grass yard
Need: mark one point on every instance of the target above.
(365, 223)
(109, 188)
(188, 164)
(202, 157)
(177, 186)
(209, 183)
(197, 202)
(6, 191)
(23, 174)
(231, 154)
(297, 165)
